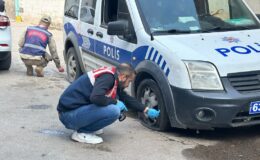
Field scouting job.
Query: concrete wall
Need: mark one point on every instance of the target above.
(10, 8)
(32, 10)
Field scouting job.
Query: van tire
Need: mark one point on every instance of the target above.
(72, 65)
(6, 63)
(162, 123)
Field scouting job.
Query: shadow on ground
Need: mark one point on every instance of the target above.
(233, 144)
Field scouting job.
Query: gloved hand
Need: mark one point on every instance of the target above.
(61, 69)
(122, 106)
(153, 113)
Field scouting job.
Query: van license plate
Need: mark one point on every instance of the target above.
(254, 108)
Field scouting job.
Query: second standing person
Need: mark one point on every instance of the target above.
(33, 45)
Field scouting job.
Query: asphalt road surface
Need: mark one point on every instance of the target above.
(30, 129)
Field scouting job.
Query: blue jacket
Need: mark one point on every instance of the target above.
(81, 93)
(36, 41)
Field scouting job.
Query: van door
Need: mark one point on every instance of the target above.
(87, 31)
(71, 17)
(115, 49)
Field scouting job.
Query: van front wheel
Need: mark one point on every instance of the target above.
(73, 67)
(150, 95)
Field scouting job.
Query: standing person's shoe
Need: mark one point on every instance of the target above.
(29, 71)
(86, 138)
(39, 71)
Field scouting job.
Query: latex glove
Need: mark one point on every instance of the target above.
(153, 113)
(122, 106)
(61, 69)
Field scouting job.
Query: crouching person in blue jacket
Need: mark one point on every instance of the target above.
(96, 99)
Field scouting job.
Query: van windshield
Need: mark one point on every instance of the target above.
(191, 16)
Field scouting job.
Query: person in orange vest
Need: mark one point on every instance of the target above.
(33, 45)
(96, 99)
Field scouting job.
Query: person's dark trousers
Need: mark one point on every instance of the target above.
(90, 118)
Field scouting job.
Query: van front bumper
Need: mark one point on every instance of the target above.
(214, 109)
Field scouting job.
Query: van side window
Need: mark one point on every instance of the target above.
(123, 14)
(72, 8)
(87, 12)
(109, 11)
(118, 10)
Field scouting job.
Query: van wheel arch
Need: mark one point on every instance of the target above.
(68, 45)
(71, 50)
(139, 78)
(70, 42)
(72, 65)
(150, 70)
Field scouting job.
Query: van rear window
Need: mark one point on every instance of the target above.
(87, 13)
(72, 8)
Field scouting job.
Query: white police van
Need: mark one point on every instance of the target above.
(198, 61)
(5, 39)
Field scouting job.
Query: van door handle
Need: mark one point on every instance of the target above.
(90, 31)
(99, 34)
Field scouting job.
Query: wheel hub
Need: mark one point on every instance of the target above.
(149, 98)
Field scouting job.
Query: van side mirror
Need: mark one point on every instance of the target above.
(258, 15)
(119, 28)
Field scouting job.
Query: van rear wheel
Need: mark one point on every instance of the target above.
(150, 95)
(6, 63)
(72, 65)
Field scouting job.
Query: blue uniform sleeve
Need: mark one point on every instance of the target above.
(130, 101)
(102, 85)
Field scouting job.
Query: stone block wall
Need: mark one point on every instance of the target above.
(32, 10)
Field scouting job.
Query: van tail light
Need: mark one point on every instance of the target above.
(4, 21)
(3, 45)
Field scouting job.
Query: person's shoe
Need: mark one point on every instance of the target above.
(99, 132)
(39, 71)
(29, 71)
(86, 138)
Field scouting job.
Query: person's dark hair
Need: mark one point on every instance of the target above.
(126, 69)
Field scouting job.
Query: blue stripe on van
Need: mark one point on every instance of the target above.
(150, 54)
(163, 65)
(68, 27)
(159, 60)
(155, 56)
(167, 72)
(123, 55)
